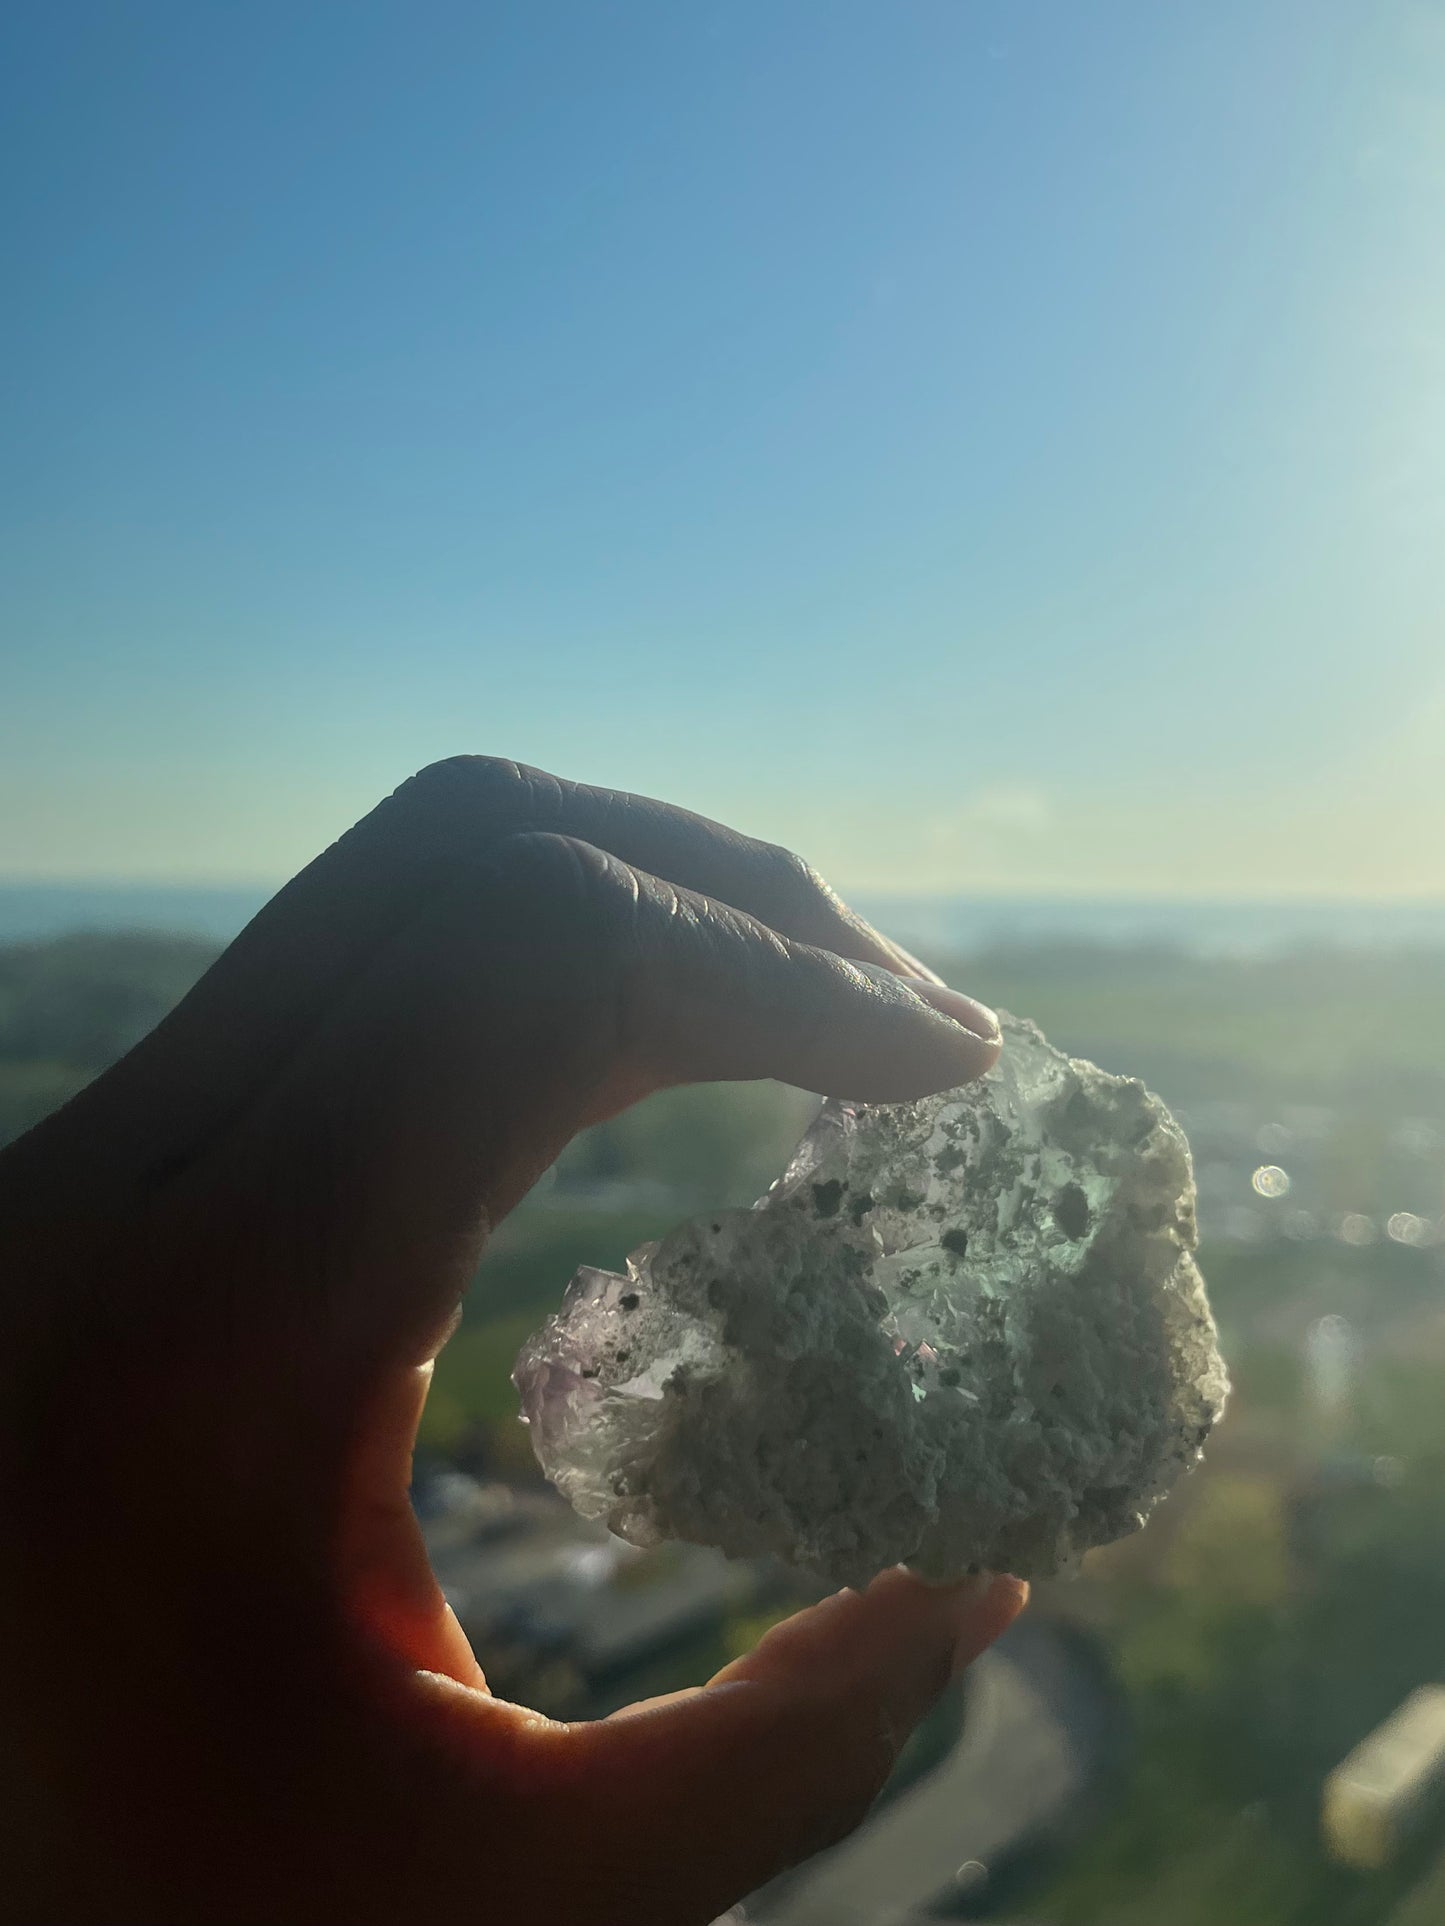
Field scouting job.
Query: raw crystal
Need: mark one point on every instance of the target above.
(957, 1334)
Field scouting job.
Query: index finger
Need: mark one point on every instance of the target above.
(766, 880)
(265, 996)
(419, 840)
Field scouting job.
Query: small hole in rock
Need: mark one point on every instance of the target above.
(1071, 1211)
(827, 1197)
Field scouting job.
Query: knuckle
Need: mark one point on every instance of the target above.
(493, 787)
(582, 893)
(794, 878)
(563, 914)
(545, 859)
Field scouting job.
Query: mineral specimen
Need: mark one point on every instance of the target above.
(964, 1333)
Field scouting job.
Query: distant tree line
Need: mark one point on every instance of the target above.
(70, 1006)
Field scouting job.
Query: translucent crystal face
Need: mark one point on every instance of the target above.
(966, 1332)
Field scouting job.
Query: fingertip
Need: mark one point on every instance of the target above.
(961, 1053)
(960, 1039)
(964, 1615)
(971, 1612)
(987, 1616)
(973, 1016)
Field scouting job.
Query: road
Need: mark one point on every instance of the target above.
(1039, 1731)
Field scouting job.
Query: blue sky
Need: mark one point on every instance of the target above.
(992, 447)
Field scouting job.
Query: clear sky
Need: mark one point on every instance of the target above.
(990, 446)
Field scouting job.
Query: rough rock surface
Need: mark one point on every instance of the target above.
(961, 1333)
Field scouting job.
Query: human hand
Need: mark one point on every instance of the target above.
(232, 1691)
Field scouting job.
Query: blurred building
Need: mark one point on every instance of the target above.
(1390, 1787)
(566, 1616)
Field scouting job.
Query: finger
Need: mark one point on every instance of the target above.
(456, 808)
(784, 1751)
(688, 988)
(277, 981)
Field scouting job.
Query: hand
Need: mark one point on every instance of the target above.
(231, 1688)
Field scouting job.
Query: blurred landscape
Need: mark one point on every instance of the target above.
(1151, 1744)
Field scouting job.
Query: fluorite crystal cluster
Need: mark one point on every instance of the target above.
(965, 1333)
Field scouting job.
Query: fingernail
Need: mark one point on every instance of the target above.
(965, 1010)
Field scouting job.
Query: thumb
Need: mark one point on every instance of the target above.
(785, 1750)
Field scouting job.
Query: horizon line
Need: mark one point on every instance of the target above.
(269, 886)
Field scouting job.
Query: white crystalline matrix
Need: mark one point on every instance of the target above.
(964, 1333)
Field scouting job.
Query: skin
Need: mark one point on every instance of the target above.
(230, 1690)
